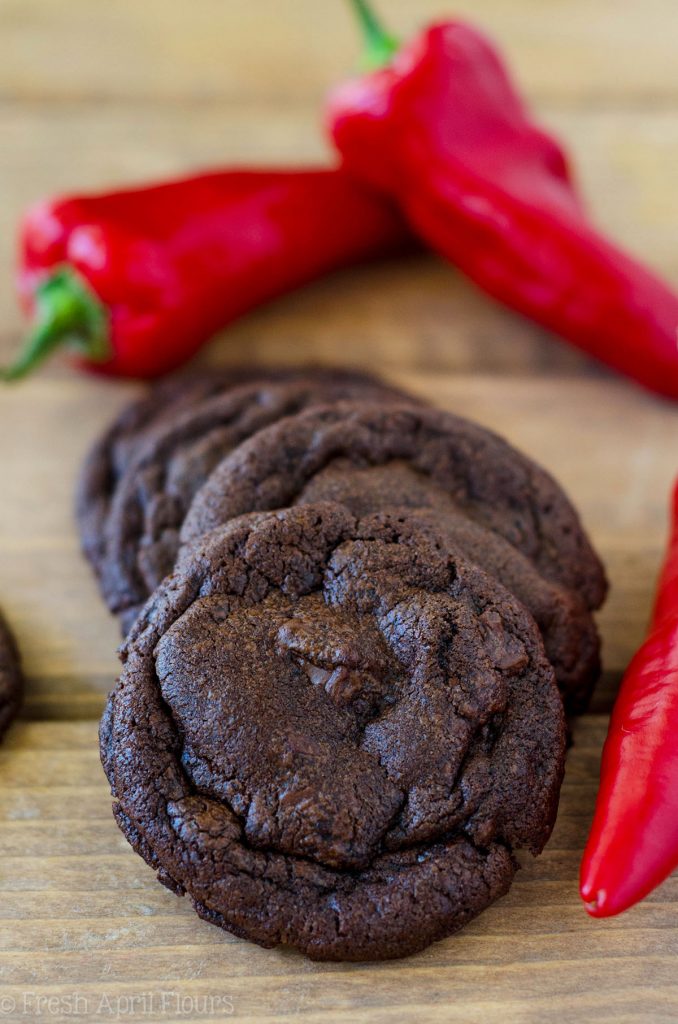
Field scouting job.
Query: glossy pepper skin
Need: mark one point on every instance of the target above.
(441, 128)
(633, 844)
(136, 281)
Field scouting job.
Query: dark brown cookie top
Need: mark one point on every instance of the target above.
(332, 732)
(567, 627)
(566, 624)
(11, 679)
(442, 462)
(138, 537)
(111, 453)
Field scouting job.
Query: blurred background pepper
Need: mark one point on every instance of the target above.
(135, 281)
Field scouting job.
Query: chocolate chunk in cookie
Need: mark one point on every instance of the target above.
(332, 732)
(11, 679)
(569, 633)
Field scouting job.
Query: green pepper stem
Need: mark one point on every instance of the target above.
(67, 312)
(380, 47)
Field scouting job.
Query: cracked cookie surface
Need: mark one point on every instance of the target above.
(493, 503)
(332, 732)
(108, 458)
(139, 480)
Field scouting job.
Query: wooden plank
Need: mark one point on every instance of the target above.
(81, 915)
(570, 50)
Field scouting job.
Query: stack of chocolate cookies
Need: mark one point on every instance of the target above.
(355, 625)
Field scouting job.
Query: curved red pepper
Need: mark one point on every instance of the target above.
(138, 280)
(633, 844)
(442, 129)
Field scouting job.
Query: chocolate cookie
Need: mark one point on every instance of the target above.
(391, 457)
(332, 733)
(154, 469)
(11, 679)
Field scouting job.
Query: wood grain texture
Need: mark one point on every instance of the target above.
(574, 51)
(93, 94)
(80, 914)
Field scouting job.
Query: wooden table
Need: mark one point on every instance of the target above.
(92, 94)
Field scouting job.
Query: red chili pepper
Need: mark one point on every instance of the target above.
(633, 844)
(439, 126)
(137, 280)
